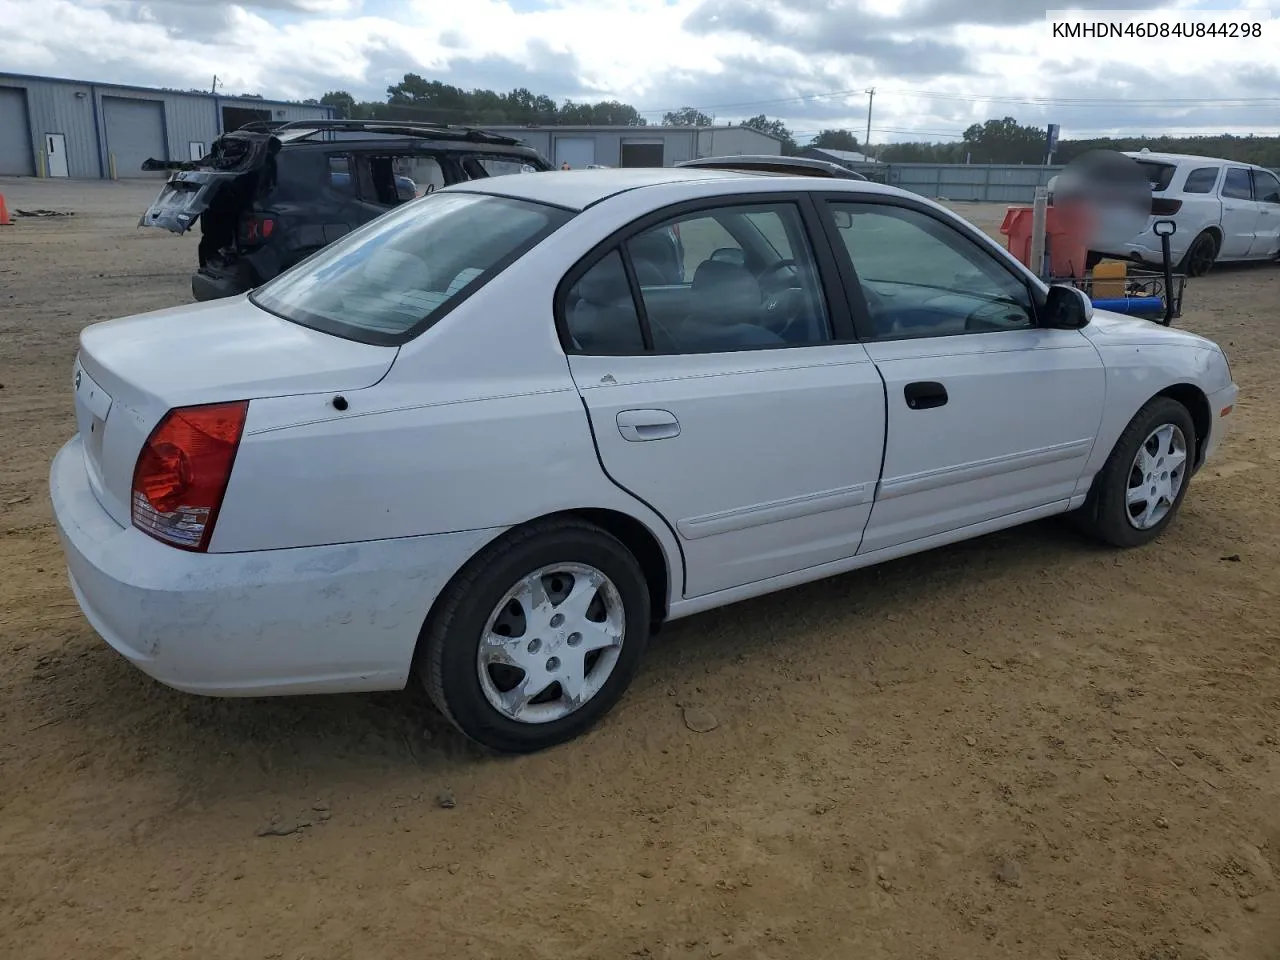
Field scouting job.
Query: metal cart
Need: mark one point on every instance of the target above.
(1150, 295)
(1156, 296)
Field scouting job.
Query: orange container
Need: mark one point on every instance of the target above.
(1108, 279)
(1066, 239)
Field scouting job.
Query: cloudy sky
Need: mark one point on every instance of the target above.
(937, 65)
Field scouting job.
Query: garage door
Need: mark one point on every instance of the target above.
(578, 152)
(135, 132)
(642, 153)
(15, 134)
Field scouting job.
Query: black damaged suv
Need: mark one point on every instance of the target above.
(270, 194)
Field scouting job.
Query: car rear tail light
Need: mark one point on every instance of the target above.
(256, 229)
(1161, 207)
(182, 473)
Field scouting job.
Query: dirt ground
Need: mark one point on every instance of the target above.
(1022, 747)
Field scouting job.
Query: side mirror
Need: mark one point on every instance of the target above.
(1067, 308)
(843, 219)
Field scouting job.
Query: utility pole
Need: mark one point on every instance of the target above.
(214, 88)
(866, 146)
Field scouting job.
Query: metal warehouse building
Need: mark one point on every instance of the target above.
(67, 128)
(640, 146)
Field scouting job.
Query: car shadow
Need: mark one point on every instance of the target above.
(886, 590)
(118, 723)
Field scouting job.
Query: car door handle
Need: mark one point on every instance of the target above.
(925, 394)
(641, 425)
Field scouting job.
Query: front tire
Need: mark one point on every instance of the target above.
(1136, 495)
(537, 637)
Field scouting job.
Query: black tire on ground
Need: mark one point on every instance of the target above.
(447, 655)
(1104, 515)
(1200, 256)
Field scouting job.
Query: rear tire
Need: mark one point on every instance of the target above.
(1200, 256)
(492, 626)
(1112, 513)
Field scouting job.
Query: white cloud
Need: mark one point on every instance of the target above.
(938, 65)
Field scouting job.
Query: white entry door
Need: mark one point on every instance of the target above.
(55, 148)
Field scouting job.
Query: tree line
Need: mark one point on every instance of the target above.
(430, 101)
(995, 141)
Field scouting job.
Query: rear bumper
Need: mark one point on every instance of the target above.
(325, 619)
(1148, 252)
(210, 284)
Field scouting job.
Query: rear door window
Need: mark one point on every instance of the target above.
(340, 175)
(1237, 185)
(382, 178)
(1201, 180)
(418, 175)
(494, 166)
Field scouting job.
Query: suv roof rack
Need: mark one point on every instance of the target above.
(775, 163)
(404, 128)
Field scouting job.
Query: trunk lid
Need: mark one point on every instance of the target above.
(129, 373)
(232, 166)
(185, 196)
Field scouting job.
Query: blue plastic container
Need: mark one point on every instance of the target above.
(1140, 306)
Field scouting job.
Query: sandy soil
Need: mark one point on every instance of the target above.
(1021, 747)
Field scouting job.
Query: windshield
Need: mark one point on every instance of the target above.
(391, 279)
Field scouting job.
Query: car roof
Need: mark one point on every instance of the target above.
(340, 141)
(1176, 158)
(579, 189)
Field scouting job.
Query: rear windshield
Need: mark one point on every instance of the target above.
(1160, 174)
(391, 279)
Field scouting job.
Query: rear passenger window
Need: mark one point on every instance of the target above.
(1201, 180)
(494, 166)
(1159, 175)
(1237, 185)
(749, 281)
(418, 175)
(601, 314)
(392, 180)
(340, 175)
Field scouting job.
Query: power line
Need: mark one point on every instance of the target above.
(1094, 101)
(995, 98)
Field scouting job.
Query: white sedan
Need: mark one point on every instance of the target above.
(494, 438)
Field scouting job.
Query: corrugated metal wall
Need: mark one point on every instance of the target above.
(188, 119)
(979, 183)
(677, 144)
(74, 109)
(735, 142)
(984, 183)
(65, 108)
